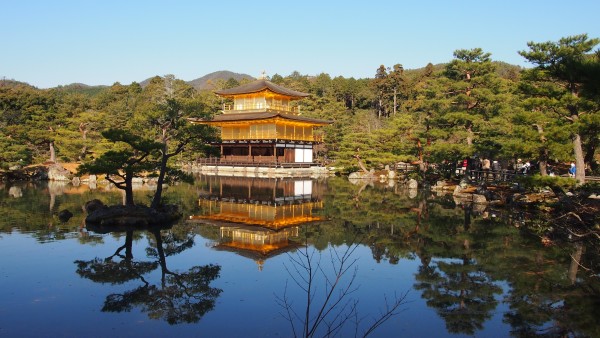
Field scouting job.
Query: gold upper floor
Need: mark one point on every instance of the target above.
(260, 102)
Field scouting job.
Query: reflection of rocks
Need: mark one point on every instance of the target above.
(15, 192)
(469, 194)
(65, 215)
(58, 187)
(412, 193)
(444, 186)
(412, 184)
(475, 207)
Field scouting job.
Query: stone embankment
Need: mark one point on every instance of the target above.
(502, 195)
(65, 173)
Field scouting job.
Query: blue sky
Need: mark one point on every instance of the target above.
(50, 43)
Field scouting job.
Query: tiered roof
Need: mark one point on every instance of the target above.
(259, 86)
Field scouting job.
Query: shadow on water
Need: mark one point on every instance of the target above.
(179, 297)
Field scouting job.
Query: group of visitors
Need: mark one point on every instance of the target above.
(522, 168)
(484, 168)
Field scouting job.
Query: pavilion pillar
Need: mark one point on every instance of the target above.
(249, 152)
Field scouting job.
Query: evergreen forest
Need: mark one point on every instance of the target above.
(473, 105)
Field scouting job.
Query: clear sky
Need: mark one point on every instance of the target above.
(50, 43)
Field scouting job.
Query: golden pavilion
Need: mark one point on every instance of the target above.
(262, 127)
(259, 218)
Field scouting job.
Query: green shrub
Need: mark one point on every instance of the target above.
(536, 182)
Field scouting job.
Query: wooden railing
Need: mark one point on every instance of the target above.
(252, 161)
(279, 107)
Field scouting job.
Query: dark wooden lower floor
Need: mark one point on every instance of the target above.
(254, 161)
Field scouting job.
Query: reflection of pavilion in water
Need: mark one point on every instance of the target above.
(258, 217)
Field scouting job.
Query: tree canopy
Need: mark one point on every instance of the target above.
(472, 105)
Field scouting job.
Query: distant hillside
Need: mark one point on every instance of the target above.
(13, 83)
(82, 89)
(207, 81)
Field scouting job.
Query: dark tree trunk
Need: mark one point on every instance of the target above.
(128, 245)
(579, 160)
(543, 154)
(161, 179)
(590, 152)
(52, 152)
(129, 189)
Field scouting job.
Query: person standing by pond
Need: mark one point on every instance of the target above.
(485, 165)
(496, 169)
(572, 170)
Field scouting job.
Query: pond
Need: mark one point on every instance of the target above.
(248, 252)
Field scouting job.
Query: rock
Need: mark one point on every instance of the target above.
(479, 199)
(94, 205)
(15, 167)
(92, 179)
(570, 194)
(57, 173)
(594, 196)
(412, 184)
(360, 175)
(65, 215)
(76, 181)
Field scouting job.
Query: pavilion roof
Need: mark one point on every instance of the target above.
(258, 86)
(260, 116)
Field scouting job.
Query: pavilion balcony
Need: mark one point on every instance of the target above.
(253, 161)
(228, 135)
(256, 107)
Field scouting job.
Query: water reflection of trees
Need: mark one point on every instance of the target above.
(467, 253)
(179, 297)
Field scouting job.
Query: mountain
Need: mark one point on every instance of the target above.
(207, 81)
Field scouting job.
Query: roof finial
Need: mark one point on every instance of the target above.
(263, 75)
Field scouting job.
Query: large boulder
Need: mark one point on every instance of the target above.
(57, 173)
(479, 199)
(93, 205)
(361, 175)
(412, 184)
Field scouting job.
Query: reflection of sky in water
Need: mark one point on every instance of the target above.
(41, 295)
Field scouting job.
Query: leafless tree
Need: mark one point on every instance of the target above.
(329, 305)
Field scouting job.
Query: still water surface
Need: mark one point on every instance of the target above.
(233, 266)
